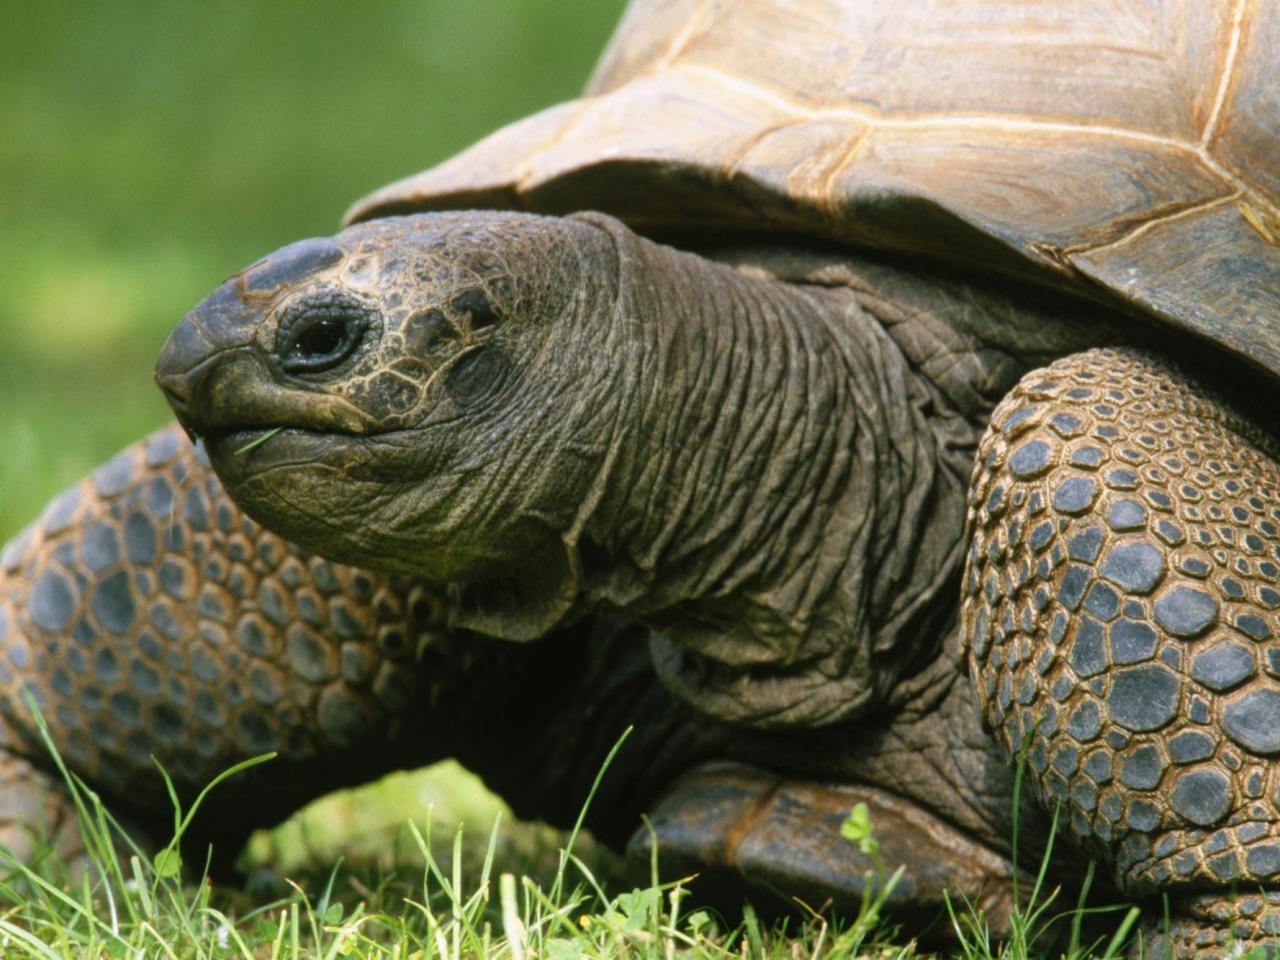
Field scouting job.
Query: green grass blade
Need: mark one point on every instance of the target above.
(29, 939)
(582, 814)
(1073, 948)
(259, 441)
(1113, 948)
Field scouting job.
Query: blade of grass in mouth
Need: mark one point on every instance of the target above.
(261, 440)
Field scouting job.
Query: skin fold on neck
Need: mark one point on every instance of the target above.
(779, 499)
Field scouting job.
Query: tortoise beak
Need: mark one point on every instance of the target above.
(211, 358)
(219, 380)
(192, 366)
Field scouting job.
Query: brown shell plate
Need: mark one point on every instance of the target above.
(1130, 151)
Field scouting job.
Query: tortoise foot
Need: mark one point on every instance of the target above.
(750, 834)
(1215, 926)
(1123, 617)
(37, 816)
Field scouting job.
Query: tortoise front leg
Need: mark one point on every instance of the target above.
(1122, 609)
(148, 616)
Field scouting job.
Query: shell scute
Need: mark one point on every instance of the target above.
(1127, 153)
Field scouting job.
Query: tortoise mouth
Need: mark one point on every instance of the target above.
(239, 444)
(240, 453)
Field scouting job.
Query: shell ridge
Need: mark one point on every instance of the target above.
(698, 24)
(523, 171)
(1159, 216)
(1227, 75)
(753, 141)
(979, 121)
(876, 119)
(830, 203)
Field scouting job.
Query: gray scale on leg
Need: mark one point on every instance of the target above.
(1187, 670)
(1224, 665)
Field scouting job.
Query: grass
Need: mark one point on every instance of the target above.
(453, 898)
(127, 904)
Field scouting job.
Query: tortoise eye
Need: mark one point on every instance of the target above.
(321, 340)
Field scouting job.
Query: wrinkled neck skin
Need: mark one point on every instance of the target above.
(787, 523)
(780, 490)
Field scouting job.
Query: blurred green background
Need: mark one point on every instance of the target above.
(150, 148)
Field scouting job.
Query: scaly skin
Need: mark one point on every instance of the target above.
(1122, 607)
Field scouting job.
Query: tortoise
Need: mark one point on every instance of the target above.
(853, 403)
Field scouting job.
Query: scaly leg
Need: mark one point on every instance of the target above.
(1122, 609)
(145, 615)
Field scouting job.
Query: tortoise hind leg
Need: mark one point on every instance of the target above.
(1122, 611)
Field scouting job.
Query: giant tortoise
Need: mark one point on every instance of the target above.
(853, 397)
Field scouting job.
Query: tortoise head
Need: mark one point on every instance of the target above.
(399, 395)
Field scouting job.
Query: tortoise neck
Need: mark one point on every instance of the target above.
(780, 512)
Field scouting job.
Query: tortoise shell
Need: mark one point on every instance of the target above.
(1131, 151)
